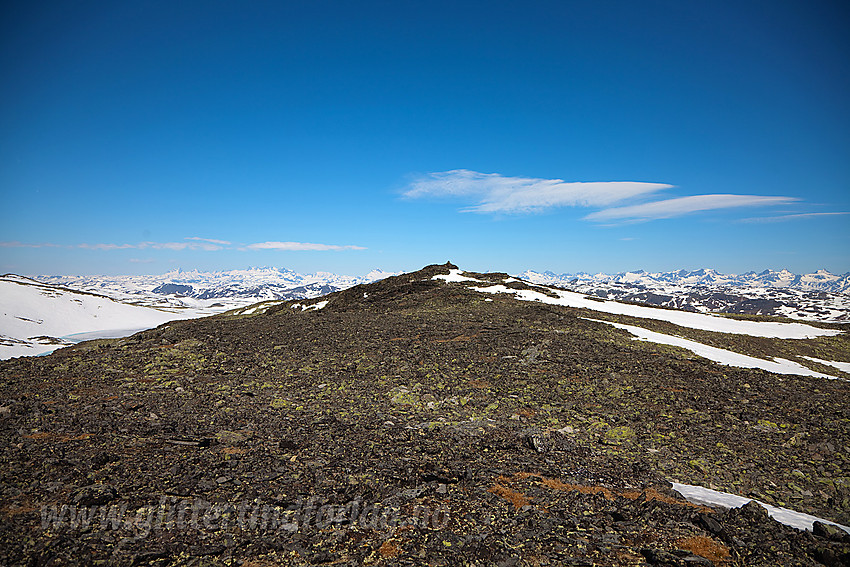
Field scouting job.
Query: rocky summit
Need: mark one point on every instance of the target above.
(412, 421)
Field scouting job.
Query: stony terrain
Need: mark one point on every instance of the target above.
(412, 422)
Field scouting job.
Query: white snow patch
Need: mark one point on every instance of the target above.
(258, 308)
(455, 275)
(315, 306)
(30, 310)
(842, 366)
(709, 497)
(700, 321)
(723, 356)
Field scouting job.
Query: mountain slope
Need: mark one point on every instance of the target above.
(37, 317)
(820, 296)
(416, 421)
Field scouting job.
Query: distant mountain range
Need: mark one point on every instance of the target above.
(40, 313)
(183, 289)
(821, 280)
(820, 296)
(262, 284)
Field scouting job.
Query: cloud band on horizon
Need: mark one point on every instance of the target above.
(206, 244)
(298, 246)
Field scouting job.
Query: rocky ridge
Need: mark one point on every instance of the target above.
(407, 422)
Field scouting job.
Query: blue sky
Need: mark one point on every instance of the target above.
(340, 136)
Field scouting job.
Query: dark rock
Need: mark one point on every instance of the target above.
(661, 558)
(697, 560)
(829, 531)
(205, 550)
(320, 557)
(754, 512)
(831, 557)
(94, 495)
(148, 556)
(102, 458)
(711, 525)
(536, 440)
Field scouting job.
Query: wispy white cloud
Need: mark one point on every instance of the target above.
(798, 216)
(181, 246)
(103, 246)
(299, 246)
(496, 193)
(212, 240)
(141, 260)
(16, 244)
(206, 244)
(680, 206)
(153, 246)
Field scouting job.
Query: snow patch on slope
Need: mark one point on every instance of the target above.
(699, 321)
(709, 497)
(723, 356)
(313, 307)
(37, 318)
(842, 366)
(455, 275)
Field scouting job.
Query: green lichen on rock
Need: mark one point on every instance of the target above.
(619, 435)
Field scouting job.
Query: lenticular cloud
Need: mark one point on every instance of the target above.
(497, 193)
(669, 208)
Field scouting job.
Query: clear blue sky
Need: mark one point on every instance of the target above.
(345, 136)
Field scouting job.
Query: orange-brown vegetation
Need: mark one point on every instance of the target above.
(389, 549)
(706, 547)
